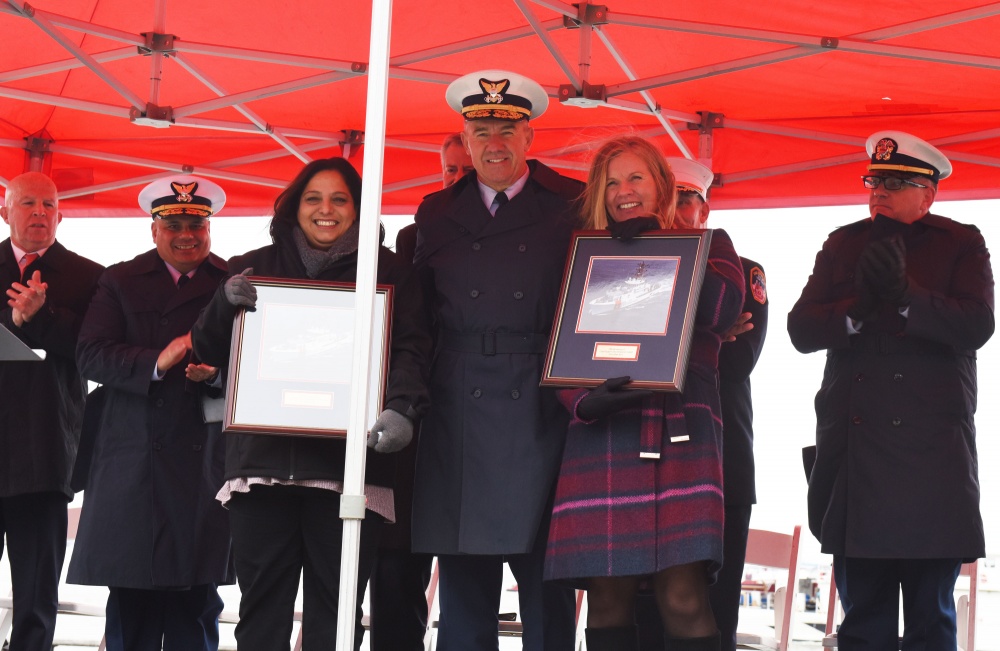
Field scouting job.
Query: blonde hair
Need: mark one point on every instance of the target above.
(593, 212)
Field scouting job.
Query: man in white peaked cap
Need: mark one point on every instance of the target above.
(151, 529)
(491, 250)
(900, 301)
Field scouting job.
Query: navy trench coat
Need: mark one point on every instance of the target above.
(150, 519)
(896, 471)
(490, 445)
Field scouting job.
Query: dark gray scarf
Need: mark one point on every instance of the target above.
(317, 261)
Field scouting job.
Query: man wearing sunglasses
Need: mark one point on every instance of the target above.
(900, 301)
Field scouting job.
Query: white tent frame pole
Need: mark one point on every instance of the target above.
(352, 502)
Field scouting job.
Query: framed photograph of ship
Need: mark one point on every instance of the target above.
(291, 363)
(627, 308)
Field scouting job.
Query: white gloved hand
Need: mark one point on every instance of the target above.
(240, 291)
(391, 432)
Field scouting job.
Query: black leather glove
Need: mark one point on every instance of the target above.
(866, 305)
(240, 291)
(630, 228)
(885, 268)
(609, 398)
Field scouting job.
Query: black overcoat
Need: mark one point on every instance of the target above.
(42, 405)
(737, 360)
(293, 457)
(491, 443)
(150, 519)
(896, 472)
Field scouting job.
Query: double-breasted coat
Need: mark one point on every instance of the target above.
(491, 442)
(42, 405)
(896, 471)
(150, 519)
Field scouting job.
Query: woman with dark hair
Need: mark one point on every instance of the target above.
(621, 517)
(283, 492)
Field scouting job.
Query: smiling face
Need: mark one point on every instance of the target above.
(499, 150)
(31, 209)
(326, 209)
(907, 204)
(630, 190)
(183, 242)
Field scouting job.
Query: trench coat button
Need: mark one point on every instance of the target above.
(522, 248)
(477, 393)
(476, 246)
(518, 295)
(159, 402)
(898, 377)
(515, 394)
(857, 420)
(859, 377)
(897, 421)
(164, 321)
(196, 447)
(461, 229)
(157, 446)
(474, 293)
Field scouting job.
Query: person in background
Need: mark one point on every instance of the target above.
(644, 469)
(48, 290)
(151, 529)
(490, 250)
(900, 302)
(398, 598)
(283, 492)
(741, 347)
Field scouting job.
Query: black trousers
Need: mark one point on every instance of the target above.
(280, 532)
(470, 600)
(398, 600)
(171, 620)
(34, 526)
(869, 590)
(724, 595)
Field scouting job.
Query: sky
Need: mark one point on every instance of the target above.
(785, 242)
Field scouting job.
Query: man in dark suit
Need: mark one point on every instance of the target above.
(151, 528)
(491, 250)
(738, 356)
(900, 301)
(49, 289)
(399, 577)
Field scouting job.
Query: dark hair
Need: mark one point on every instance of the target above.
(286, 206)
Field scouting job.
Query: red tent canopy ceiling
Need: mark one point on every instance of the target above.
(778, 97)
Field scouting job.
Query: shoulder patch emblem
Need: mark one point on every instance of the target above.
(758, 285)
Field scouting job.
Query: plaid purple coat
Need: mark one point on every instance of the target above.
(616, 514)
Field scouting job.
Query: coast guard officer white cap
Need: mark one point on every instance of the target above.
(182, 195)
(496, 94)
(901, 152)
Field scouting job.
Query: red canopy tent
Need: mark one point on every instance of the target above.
(772, 95)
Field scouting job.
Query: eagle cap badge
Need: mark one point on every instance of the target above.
(184, 190)
(885, 148)
(493, 90)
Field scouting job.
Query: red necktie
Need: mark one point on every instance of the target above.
(26, 262)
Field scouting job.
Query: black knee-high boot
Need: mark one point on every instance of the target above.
(619, 638)
(710, 643)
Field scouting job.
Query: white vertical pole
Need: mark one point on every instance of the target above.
(353, 500)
